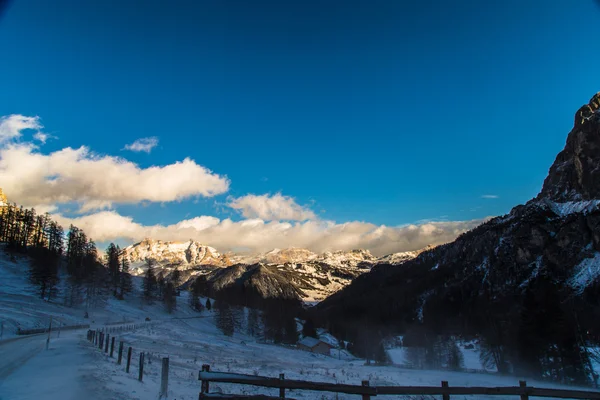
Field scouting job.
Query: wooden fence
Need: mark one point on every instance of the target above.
(104, 339)
(367, 391)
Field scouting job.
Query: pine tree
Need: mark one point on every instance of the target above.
(454, 357)
(125, 280)
(195, 296)
(113, 264)
(309, 330)
(175, 277)
(253, 323)
(169, 297)
(208, 305)
(149, 285)
(224, 318)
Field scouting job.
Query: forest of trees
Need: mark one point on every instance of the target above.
(542, 330)
(87, 281)
(271, 320)
(158, 287)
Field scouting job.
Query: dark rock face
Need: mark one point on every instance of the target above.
(549, 245)
(575, 175)
(251, 282)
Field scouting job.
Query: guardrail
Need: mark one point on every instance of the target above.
(367, 391)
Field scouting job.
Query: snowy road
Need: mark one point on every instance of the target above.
(65, 371)
(15, 353)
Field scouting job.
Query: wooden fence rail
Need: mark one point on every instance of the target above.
(523, 391)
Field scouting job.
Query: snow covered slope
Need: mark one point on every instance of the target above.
(74, 369)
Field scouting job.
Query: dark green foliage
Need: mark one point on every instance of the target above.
(43, 239)
(44, 271)
(253, 327)
(195, 291)
(113, 264)
(224, 317)
(308, 329)
(126, 285)
(170, 297)
(175, 277)
(149, 285)
(208, 305)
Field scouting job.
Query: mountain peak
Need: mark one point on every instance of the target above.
(575, 175)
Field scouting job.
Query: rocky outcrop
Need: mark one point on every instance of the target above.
(183, 255)
(251, 283)
(575, 174)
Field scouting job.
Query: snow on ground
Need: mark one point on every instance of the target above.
(73, 368)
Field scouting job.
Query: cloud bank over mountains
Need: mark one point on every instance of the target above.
(98, 183)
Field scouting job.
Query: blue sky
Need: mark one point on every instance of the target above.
(386, 112)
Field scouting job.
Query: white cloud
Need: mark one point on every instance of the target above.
(96, 182)
(489, 196)
(258, 235)
(12, 125)
(270, 208)
(143, 144)
(42, 137)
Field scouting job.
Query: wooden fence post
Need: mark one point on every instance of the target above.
(128, 360)
(141, 371)
(106, 345)
(101, 341)
(281, 389)
(445, 394)
(49, 331)
(112, 346)
(120, 357)
(164, 378)
(524, 395)
(204, 386)
(366, 396)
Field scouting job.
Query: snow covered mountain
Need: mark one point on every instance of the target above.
(315, 276)
(181, 255)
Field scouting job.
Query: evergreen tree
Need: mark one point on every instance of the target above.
(208, 305)
(149, 285)
(160, 284)
(454, 357)
(195, 295)
(253, 323)
(125, 280)
(176, 277)
(113, 264)
(309, 330)
(224, 318)
(169, 297)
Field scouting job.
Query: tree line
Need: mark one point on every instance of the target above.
(246, 311)
(542, 329)
(87, 280)
(161, 287)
